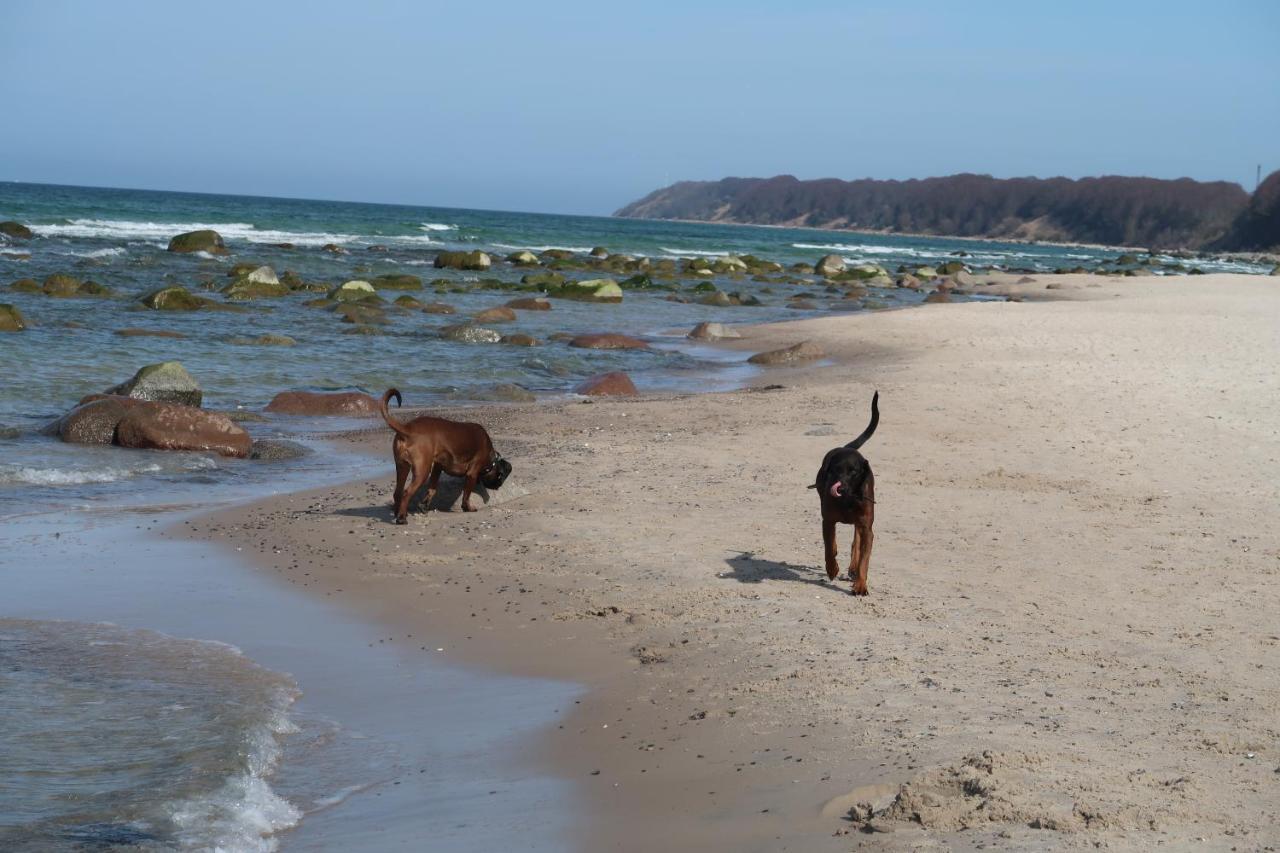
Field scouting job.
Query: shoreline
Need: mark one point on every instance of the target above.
(719, 713)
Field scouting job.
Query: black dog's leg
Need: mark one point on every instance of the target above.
(829, 541)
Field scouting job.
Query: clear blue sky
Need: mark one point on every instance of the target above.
(580, 107)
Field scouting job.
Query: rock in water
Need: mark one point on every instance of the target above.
(259, 282)
(607, 341)
(353, 291)
(712, 332)
(205, 240)
(167, 382)
(537, 303)
(801, 352)
(476, 260)
(615, 384)
(829, 265)
(348, 403)
(174, 299)
(523, 258)
(11, 319)
(168, 426)
(277, 450)
(15, 230)
(402, 281)
(498, 314)
(92, 422)
(467, 333)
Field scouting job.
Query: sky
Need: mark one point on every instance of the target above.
(577, 107)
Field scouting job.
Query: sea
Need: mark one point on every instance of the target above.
(155, 733)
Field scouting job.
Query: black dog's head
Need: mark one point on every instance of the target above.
(496, 472)
(843, 475)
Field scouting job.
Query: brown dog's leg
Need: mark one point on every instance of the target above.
(402, 509)
(433, 482)
(865, 538)
(467, 486)
(402, 474)
(829, 541)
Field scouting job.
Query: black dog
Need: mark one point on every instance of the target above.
(848, 492)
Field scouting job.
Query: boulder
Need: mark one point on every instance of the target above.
(205, 240)
(938, 296)
(264, 341)
(94, 421)
(498, 314)
(599, 252)
(543, 280)
(718, 299)
(1276, 271)
(408, 302)
(438, 308)
(829, 265)
(535, 303)
(950, 268)
(476, 260)
(15, 230)
(11, 319)
(258, 282)
(523, 258)
(277, 450)
(166, 382)
(607, 340)
(592, 290)
(712, 332)
(353, 291)
(169, 426)
(926, 272)
(615, 384)
(802, 305)
(334, 249)
(344, 403)
(149, 333)
(60, 285)
(470, 334)
(520, 340)
(174, 299)
(801, 352)
(360, 312)
(557, 254)
(402, 281)
(30, 285)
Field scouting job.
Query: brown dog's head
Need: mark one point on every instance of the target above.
(496, 472)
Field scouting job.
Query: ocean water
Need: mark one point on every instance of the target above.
(118, 737)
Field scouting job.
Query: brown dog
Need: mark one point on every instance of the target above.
(848, 493)
(426, 446)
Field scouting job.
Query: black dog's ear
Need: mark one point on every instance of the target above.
(812, 486)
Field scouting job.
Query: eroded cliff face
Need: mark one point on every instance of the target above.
(1257, 228)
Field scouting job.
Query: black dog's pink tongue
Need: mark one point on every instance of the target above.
(837, 488)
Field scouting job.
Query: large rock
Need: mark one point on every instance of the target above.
(343, 403)
(438, 308)
(615, 384)
(166, 382)
(537, 303)
(607, 340)
(11, 319)
(94, 421)
(523, 258)
(829, 265)
(15, 230)
(168, 426)
(277, 450)
(59, 284)
(592, 290)
(353, 291)
(267, 340)
(497, 314)
(476, 260)
(174, 299)
(30, 285)
(259, 282)
(520, 340)
(801, 352)
(468, 333)
(401, 281)
(712, 332)
(206, 240)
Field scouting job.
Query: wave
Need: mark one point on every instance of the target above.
(582, 250)
(37, 475)
(694, 253)
(437, 226)
(128, 229)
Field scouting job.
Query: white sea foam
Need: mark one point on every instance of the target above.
(694, 253)
(579, 249)
(437, 226)
(33, 476)
(152, 231)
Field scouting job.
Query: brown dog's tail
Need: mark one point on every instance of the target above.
(871, 427)
(386, 413)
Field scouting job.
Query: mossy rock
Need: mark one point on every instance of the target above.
(925, 272)
(257, 283)
(469, 333)
(11, 319)
(951, 268)
(591, 290)
(704, 287)
(402, 281)
(475, 260)
(523, 258)
(61, 285)
(407, 301)
(16, 230)
(556, 254)
(25, 285)
(363, 313)
(205, 240)
(166, 382)
(354, 291)
(175, 299)
(543, 280)
(1126, 260)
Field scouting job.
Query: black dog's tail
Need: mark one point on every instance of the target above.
(871, 427)
(386, 413)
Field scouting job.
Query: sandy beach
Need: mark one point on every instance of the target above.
(1071, 638)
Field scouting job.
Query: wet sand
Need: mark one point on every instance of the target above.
(1071, 635)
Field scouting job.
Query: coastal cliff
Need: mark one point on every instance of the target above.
(1113, 210)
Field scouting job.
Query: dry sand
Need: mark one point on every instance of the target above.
(1072, 634)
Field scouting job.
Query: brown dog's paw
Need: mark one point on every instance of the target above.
(859, 590)
(400, 519)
